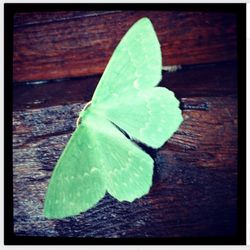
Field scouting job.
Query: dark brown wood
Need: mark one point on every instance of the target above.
(31, 18)
(194, 191)
(190, 81)
(72, 44)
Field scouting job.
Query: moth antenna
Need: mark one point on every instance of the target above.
(78, 121)
(79, 117)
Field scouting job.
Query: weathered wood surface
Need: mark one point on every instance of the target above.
(194, 191)
(52, 45)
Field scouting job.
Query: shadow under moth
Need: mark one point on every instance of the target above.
(99, 158)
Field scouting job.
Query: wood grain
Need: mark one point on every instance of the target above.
(221, 81)
(194, 191)
(73, 44)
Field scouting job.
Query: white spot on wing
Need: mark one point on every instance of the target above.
(93, 170)
(141, 130)
(159, 129)
(130, 152)
(136, 84)
(137, 175)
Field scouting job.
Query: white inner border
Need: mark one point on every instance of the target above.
(2, 132)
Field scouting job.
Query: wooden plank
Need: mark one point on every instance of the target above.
(61, 45)
(189, 81)
(31, 18)
(194, 191)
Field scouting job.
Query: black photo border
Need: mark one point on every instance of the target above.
(9, 236)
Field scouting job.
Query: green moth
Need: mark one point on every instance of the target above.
(99, 158)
